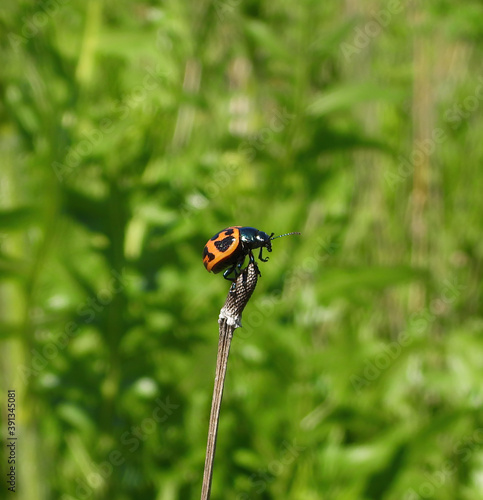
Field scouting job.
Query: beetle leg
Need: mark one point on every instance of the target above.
(260, 255)
(252, 258)
(228, 272)
(235, 269)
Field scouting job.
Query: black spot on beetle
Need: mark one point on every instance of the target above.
(208, 254)
(224, 244)
(225, 232)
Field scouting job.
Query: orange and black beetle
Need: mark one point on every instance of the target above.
(228, 249)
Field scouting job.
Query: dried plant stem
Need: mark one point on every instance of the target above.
(221, 363)
(229, 319)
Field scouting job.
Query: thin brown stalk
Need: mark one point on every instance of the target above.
(229, 319)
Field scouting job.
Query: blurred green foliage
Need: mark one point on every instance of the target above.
(130, 133)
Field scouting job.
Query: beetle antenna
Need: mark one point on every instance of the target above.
(286, 234)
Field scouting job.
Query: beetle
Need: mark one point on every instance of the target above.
(227, 249)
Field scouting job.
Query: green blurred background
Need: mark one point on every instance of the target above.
(130, 133)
